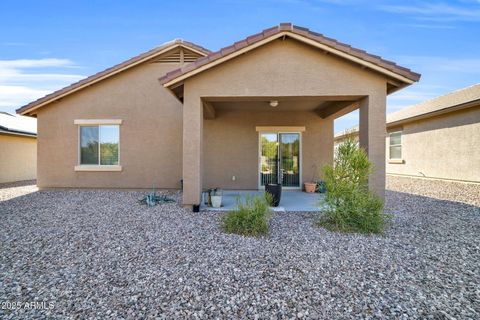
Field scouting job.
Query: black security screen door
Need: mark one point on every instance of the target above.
(280, 159)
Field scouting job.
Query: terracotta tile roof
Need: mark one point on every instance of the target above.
(288, 27)
(110, 71)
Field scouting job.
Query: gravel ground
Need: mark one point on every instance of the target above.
(100, 254)
(439, 189)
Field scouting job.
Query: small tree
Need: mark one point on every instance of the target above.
(350, 206)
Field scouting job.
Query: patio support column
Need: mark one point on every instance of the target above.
(192, 150)
(372, 138)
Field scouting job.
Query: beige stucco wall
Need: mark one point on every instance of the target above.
(150, 135)
(281, 68)
(446, 146)
(18, 158)
(230, 145)
(157, 133)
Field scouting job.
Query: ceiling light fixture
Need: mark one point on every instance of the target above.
(273, 103)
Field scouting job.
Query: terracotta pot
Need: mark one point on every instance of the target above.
(310, 187)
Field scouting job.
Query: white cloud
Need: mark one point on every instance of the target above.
(11, 96)
(435, 11)
(25, 80)
(34, 63)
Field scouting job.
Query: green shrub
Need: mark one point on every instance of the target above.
(251, 218)
(349, 206)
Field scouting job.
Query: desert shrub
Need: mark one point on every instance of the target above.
(269, 198)
(349, 206)
(251, 218)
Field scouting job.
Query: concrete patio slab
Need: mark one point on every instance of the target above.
(291, 200)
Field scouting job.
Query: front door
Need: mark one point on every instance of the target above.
(280, 159)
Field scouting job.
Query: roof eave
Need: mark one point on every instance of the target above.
(431, 114)
(55, 96)
(177, 76)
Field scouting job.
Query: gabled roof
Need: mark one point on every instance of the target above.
(389, 68)
(27, 109)
(17, 125)
(453, 100)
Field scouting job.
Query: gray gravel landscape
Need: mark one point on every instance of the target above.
(101, 254)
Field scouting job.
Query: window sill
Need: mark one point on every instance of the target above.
(97, 168)
(396, 161)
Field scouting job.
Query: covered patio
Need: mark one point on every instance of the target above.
(282, 87)
(291, 201)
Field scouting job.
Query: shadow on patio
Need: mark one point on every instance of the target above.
(291, 200)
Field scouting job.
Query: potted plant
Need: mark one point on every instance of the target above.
(321, 186)
(215, 197)
(275, 190)
(311, 185)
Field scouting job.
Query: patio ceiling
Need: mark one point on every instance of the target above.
(324, 107)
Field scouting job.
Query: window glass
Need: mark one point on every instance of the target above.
(395, 152)
(89, 145)
(109, 145)
(395, 138)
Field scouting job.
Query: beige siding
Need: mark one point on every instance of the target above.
(150, 134)
(446, 147)
(18, 158)
(230, 145)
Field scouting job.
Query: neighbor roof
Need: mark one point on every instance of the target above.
(456, 100)
(110, 72)
(17, 125)
(303, 34)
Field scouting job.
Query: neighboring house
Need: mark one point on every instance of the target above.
(18, 148)
(215, 119)
(438, 138)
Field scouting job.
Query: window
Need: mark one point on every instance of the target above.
(99, 145)
(396, 145)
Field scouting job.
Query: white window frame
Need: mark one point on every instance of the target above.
(96, 123)
(276, 130)
(395, 160)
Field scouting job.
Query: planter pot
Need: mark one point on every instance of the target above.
(321, 187)
(310, 187)
(276, 191)
(216, 201)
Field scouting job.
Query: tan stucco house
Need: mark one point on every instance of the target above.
(216, 119)
(438, 138)
(18, 148)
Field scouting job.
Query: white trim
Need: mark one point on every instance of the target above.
(395, 160)
(259, 160)
(97, 121)
(90, 167)
(11, 133)
(299, 38)
(86, 167)
(278, 129)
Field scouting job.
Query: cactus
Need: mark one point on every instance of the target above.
(152, 198)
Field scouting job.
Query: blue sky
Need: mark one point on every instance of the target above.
(45, 45)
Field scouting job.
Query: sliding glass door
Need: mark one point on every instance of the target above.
(280, 159)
